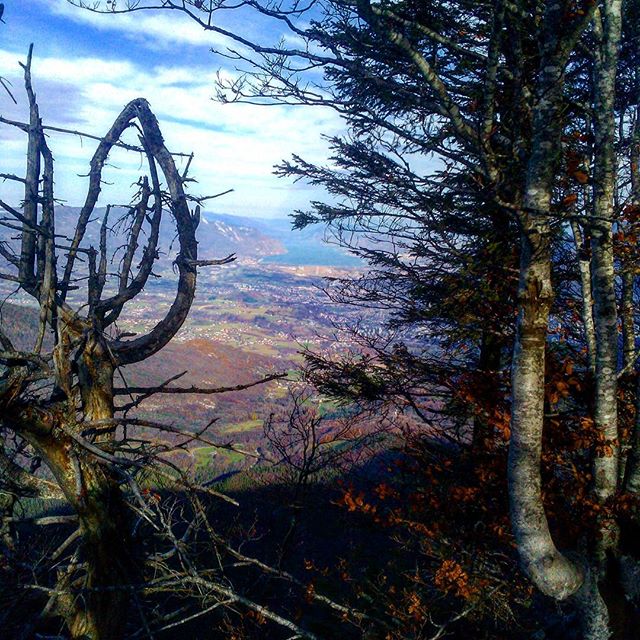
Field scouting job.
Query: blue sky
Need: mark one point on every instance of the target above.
(87, 67)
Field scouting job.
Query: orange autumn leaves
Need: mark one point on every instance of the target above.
(452, 578)
(449, 506)
(576, 174)
(561, 382)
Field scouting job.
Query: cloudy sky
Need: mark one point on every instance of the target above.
(87, 67)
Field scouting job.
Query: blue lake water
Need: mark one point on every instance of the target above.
(315, 254)
(304, 247)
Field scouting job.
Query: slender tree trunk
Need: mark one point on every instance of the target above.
(608, 28)
(552, 573)
(628, 354)
(595, 616)
(584, 266)
(632, 470)
(627, 313)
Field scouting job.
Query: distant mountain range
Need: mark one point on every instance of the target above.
(217, 237)
(219, 234)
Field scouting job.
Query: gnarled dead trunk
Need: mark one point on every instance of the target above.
(94, 601)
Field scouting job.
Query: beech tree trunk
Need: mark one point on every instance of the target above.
(552, 572)
(632, 468)
(601, 592)
(584, 266)
(608, 28)
(627, 316)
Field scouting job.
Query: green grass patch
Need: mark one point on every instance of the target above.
(247, 425)
(223, 457)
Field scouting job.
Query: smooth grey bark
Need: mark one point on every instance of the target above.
(553, 573)
(603, 274)
(632, 470)
(627, 313)
(608, 23)
(584, 267)
(593, 611)
(594, 614)
(628, 354)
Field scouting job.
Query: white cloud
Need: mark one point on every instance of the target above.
(160, 30)
(235, 145)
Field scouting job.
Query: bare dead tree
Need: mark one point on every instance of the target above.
(49, 399)
(57, 400)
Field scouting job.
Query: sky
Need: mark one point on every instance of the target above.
(86, 67)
